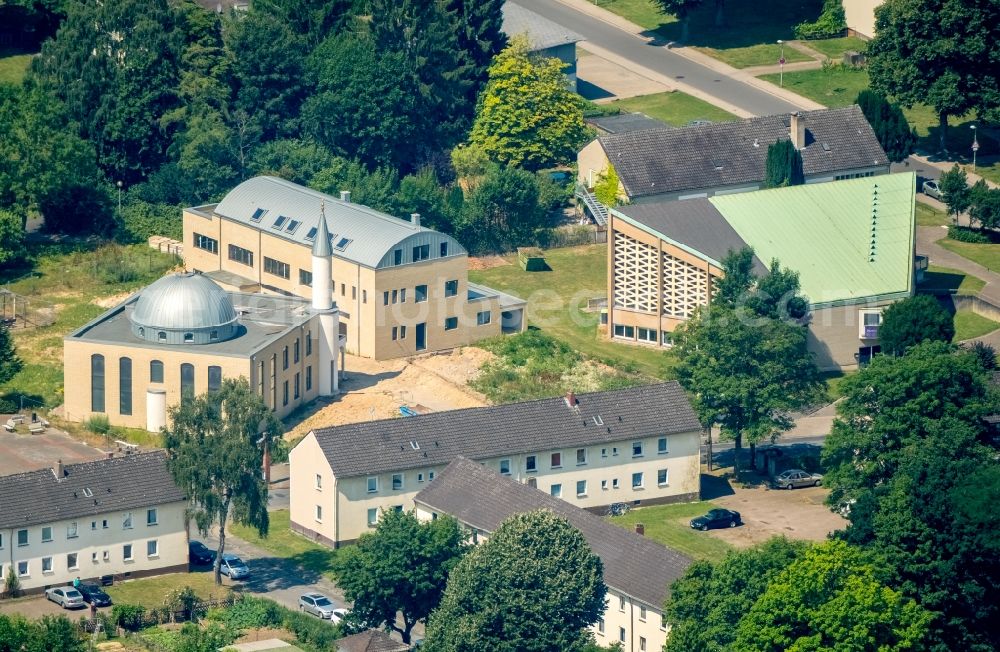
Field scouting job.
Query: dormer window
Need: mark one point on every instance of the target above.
(258, 215)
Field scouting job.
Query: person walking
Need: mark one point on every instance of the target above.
(76, 583)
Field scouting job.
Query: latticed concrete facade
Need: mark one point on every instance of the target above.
(654, 284)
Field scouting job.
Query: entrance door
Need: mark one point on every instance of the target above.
(421, 337)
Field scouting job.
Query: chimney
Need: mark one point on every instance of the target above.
(59, 470)
(415, 220)
(640, 529)
(571, 399)
(111, 454)
(345, 196)
(797, 131)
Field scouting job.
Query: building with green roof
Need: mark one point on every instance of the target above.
(851, 242)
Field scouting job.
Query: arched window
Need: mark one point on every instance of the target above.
(187, 381)
(161, 336)
(155, 371)
(97, 383)
(125, 386)
(214, 378)
(142, 332)
(188, 338)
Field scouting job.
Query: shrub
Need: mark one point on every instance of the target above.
(98, 424)
(310, 630)
(831, 22)
(140, 219)
(128, 616)
(11, 586)
(253, 613)
(8, 406)
(965, 234)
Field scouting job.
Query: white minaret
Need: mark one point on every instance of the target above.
(322, 304)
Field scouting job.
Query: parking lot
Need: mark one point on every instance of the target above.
(26, 452)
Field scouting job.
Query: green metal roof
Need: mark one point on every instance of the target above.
(848, 240)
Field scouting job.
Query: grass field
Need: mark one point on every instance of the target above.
(927, 215)
(987, 255)
(677, 109)
(13, 65)
(991, 171)
(951, 280)
(65, 280)
(555, 299)
(834, 87)
(668, 524)
(763, 54)
(969, 325)
(282, 542)
(834, 48)
(151, 591)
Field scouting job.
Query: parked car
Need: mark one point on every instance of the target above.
(233, 567)
(95, 595)
(65, 596)
(716, 518)
(932, 189)
(339, 615)
(793, 478)
(199, 554)
(317, 604)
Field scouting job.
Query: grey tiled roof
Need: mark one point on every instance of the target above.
(626, 122)
(707, 156)
(87, 489)
(542, 32)
(482, 498)
(693, 223)
(383, 446)
(371, 640)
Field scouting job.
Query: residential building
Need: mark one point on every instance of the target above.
(371, 640)
(638, 572)
(639, 446)
(860, 17)
(624, 123)
(851, 242)
(122, 516)
(183, 334)
(400, 288)
(730, 157)
(545, 37)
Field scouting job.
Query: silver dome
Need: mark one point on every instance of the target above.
(184, 309)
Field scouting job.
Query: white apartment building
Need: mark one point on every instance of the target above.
(638, 446)
(638, 572)
(122, 516)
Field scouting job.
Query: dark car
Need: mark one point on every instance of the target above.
(199, 554)
(716, 518)
(93, 594)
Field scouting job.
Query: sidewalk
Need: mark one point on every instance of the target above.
(927, 237)
(945, 166)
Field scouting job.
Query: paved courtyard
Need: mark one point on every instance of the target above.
(21, 451)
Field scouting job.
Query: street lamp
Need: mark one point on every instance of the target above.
(975, 146)
(119, 197)
(781, 62)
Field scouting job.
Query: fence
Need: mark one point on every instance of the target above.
(575, 236)
(18, 311)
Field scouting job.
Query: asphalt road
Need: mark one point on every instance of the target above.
(652, 54)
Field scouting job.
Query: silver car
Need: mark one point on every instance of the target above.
(794, 478)
(233, 567)
(65, 596)
(932, 189)
(317, 604)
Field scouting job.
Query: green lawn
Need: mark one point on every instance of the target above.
(555, 299)
(151, 591)
(927, 215)
(833, 380)
(834, 48)
(13, 65)
(65, 280)
(763, 54)
(282, 542)
(951, 280)
(834, 87)
(991, 172)
(969, 325)
(748, 36)
(668, 524)
(677, 109)
(987, 255)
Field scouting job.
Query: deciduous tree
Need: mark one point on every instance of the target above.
(984, 205)
(10, 364)
(11, 238)
(533, 586)
(954, 186)
(528, 117)
(889, 124)
(502, 212)
(950, 62)
(783, 165)
(215, 452)
(402, 567)
(706, 605)
(833, 598)
(682, 10)
(914, 320)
